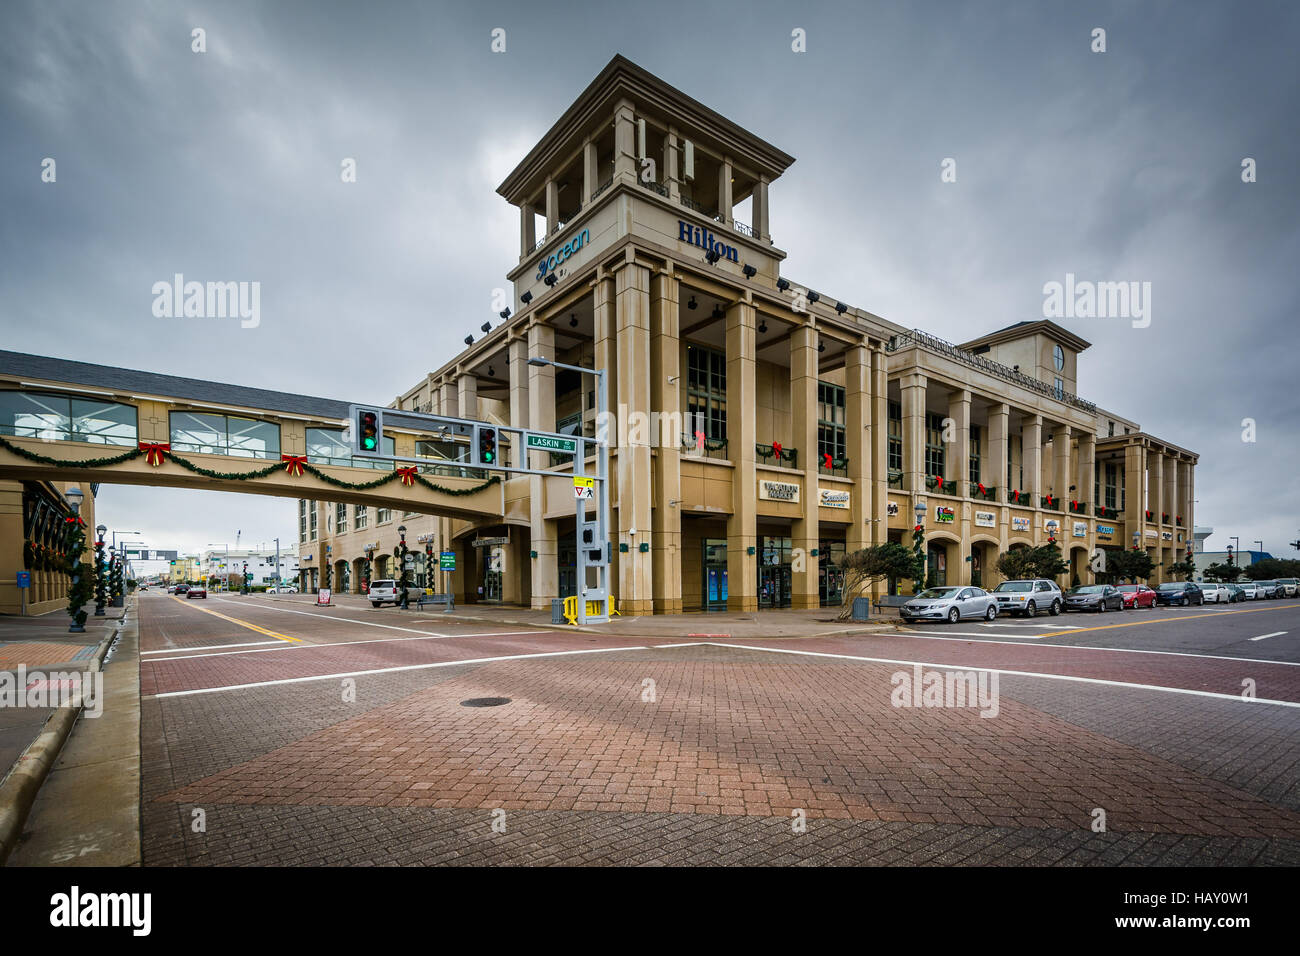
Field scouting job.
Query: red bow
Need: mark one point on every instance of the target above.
(938, 481)
(293, 464)
(407, 475)
(1074, 505)
(826, 459)
(776, 449)
(1015, 494)
(1049, 501)
(918, 528)
(153, 451)
(980, 485)
(699, 439)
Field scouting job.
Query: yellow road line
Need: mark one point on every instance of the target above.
(1180, 617)
(234, 620)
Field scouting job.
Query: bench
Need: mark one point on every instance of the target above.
(447, 599)
(892, 600)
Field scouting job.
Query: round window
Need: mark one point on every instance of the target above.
(1058, 356)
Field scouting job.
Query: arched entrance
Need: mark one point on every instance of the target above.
(358, 580)
(342, 577)
(983, 563)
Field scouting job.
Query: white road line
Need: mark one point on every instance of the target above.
(386, 670)
(984, 634)
(1115, 650)
(1064, 627)
(998, 670)
(319, 647)
(353, 620)
(209, 647)
(1274, 634)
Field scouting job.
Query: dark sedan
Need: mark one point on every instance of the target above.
(1094, 597)
(198, 591)
(1179, 593)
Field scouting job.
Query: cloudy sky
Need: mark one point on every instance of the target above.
(1123, 165)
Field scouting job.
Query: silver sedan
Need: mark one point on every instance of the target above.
(950, 604)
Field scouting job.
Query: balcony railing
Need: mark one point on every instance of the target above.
(701, 447)
(838, 467)
(602, 187)
(743, 229)
(919, 339)
(940, 484)
(785, 457)
(1017, 497)
(1079, 507)
(659, 188)
(896, 479)
(1049, 501)
(692, 204)
(1104, 512)
(988, 494)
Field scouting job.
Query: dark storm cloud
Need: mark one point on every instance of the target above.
(225, 166)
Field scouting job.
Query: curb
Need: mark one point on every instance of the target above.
(20, 787)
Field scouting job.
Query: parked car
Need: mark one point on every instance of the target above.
(1094, 597)
(1029, 596)
(1290, 586)
(198, 591)
(386, 592)
(282, 589)
(1237, 592)
(1215, 593)
(950, 604)
(1271, 589)
(1137, 595)
(1179, 593)
(1252, 591)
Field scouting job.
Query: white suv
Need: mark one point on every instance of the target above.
(385, 592)
(1028, 597)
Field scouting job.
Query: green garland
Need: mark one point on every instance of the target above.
(81, 588)
(247, 475)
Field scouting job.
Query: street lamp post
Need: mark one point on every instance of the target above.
(402, 582)
(918, 538)
(603, 513)
(100, 571)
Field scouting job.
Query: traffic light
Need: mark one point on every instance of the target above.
(487, 446)
(368, 430)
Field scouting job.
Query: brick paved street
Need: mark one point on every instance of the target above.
(344, 741)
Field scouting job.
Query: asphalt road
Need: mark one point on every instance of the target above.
(340, 736)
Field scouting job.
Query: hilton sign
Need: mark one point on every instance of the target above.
(705, 240)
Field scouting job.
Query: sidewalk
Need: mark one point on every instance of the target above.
(42, 644)
(817, 622)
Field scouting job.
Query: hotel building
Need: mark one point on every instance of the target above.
(761, 429)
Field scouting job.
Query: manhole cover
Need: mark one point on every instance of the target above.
(485, 702)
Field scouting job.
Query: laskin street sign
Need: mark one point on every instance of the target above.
(567, 446)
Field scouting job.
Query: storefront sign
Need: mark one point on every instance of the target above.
(1167, 535)
(1105, 532)
(551, 262)
(944, 515)
(986, 519)
(778, 491)
(1081, 529)
(1019, 524)
(891, 508)
(1150, 533)
(832, 498)
(490, 542)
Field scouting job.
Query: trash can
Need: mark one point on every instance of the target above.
(861, 608)
(557, 610)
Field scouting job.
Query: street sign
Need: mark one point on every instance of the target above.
(584, 489)
(24, 579)
(490, 542)
(565, 446)
(447, 561)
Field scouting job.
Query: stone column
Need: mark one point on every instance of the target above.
(450, 400)
(742, 532)
(590, 172)
(1156, 484)
(858, 434)
(956, 459)
(1134, 500)
(606, 350)
(625, 141)
(1061, 469)
(636, 572)
(552, 207)
(665, 398)
(999, 446)
(913, 389)
(527, 229)
(879, 447)
(11, 554)
(544, 570)
(724, 192)
(671, 171)
(1031, 453)
(762, 213)
(467, 389)
(803, 421)
(519, 374)
(1087, 475)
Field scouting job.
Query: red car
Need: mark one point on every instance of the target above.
(1137, 595)
(197, 590)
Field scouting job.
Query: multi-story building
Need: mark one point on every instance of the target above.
(759, 429)
(33, 528)
(231, 565)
